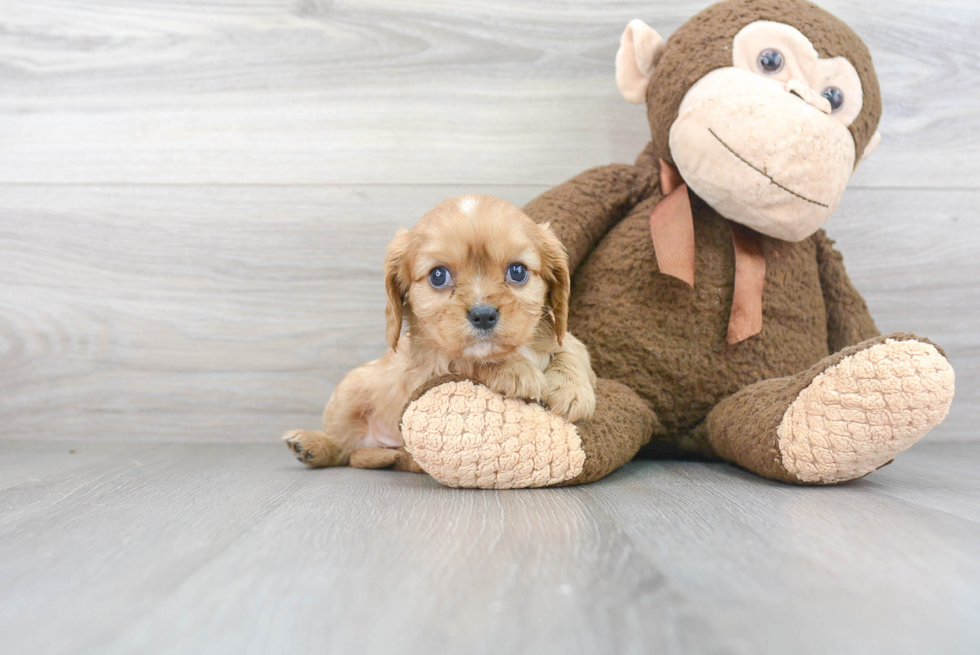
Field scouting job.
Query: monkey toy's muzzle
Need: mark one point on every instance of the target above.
(760, 154)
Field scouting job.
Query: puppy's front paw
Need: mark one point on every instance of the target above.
(519, 381)
(574, 401)
(311, 447)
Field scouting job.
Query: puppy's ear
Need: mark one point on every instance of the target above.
(554, 261)
(397, 281)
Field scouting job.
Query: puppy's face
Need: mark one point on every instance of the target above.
(475, 277)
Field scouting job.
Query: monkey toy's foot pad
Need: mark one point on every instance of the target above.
(465, 435)
(857, 415)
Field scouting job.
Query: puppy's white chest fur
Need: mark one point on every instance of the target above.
(480, 349)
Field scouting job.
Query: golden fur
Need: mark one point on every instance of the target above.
(527, 354)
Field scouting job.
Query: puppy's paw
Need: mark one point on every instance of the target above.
(519, 381)
(312, 448)
(568, 398)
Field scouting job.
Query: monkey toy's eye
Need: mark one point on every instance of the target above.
(834, 96)
(439, 277)
(517, 273)
(770, 61)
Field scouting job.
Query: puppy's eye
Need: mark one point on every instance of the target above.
(770, 61)
(517, 273)
(439, 277)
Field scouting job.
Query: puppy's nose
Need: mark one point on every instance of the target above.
(483, 317)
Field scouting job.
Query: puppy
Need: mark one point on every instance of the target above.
(484, 292)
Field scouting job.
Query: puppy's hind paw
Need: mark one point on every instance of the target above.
(311, 447)
(396, 459)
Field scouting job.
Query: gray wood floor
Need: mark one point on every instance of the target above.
(235, 548)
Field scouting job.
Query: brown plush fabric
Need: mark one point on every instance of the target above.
(742, 429)
(703, 44)
(667, 341)
(465, 436)
(584, 208)
(621, 425)
(848, 319)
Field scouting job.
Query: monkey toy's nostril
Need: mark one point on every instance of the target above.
(483, 317)
(809, 96)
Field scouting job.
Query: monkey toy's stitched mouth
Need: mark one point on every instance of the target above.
(763, 173)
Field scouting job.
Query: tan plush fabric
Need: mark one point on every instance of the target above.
(464, 435)
(639, 49)
(745, 428)
(509, 450)
(787, 191)
(858, 414)
(622, 423)
(703, 44)
(668, 342)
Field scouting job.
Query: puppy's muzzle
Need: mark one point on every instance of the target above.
(483, 317)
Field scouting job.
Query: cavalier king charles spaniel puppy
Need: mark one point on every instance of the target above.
(482, 293)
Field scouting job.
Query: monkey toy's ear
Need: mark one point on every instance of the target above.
(640, 48)
(869, 149)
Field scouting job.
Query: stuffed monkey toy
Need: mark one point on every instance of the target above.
(719, 317)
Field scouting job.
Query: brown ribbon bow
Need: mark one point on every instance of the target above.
(672, 230)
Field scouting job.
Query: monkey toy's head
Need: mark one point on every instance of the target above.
(765, 107)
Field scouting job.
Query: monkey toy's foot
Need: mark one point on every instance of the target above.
(845, 417)
(465, 435)
(858, 414)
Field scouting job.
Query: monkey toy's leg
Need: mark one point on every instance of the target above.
(465, 435)
(845, 417)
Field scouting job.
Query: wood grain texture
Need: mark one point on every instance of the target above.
(235, 548)
(186, 248)
(499, 92)
(231, 312)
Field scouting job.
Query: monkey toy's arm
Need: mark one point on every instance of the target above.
(585, 207)
(848, 320)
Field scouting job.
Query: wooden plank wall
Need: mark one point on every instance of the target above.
(195, 195)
